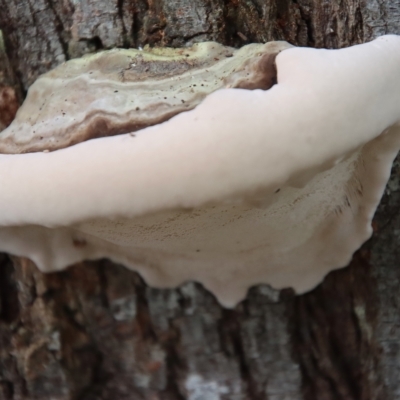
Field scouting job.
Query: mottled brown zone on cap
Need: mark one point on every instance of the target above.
(96, 126)
(264, 76)
(8, 106)
(123, 91)
(141, 69)
(138, 68)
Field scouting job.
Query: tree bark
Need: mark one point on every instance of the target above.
(97, 331)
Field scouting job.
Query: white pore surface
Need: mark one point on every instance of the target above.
(275, 186)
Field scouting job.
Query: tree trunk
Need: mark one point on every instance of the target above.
(97, 331)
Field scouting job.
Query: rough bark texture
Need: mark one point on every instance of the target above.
(96, 331)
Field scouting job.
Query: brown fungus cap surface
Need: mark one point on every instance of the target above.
(121, 91)
(260, 183)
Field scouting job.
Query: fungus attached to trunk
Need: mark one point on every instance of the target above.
(228, 178)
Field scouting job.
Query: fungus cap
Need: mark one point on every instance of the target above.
(275, 185)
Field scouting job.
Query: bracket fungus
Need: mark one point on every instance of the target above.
(258, 165)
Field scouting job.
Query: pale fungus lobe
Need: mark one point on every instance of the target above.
(228, 167)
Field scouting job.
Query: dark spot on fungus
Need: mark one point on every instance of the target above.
(79, 243)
